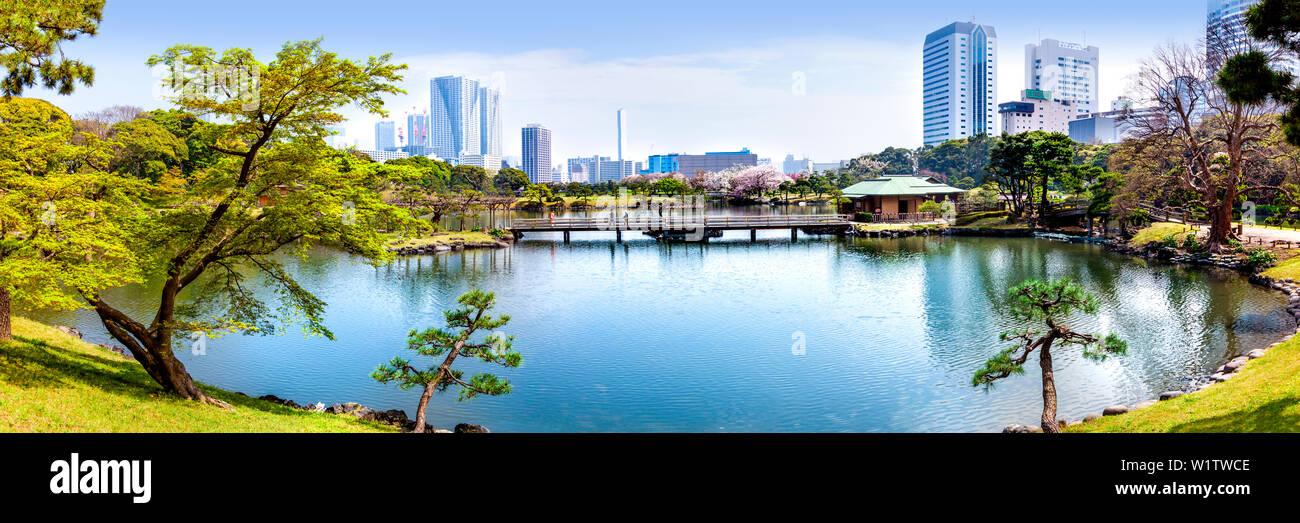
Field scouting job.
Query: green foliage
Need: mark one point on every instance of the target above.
(1048, 303)
(145, 149)
(538, 194)
(32, 33)
(1191, 244)
(930, 207)
(55, 242)
(509, 180)
(454, 341)
(864, 217)
(1259, 258)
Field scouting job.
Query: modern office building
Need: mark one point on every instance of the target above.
(536, 162)
(385, 136)
(1037, 111)
(689, 164)
(793, 166)
(454, 116)
(662, 163)
(959, 82)
(1225, 30)
(601, 169)
(1069, 71)
(488, 162)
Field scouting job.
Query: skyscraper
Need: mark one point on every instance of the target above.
(537, 153)
(455, 117)
(1067, 70)
(1225, 30)
(622, 133)
(959, 86)
(385, 136)
(489, 121)
(417, 134)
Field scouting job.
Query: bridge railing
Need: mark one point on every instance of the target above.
(677, 222)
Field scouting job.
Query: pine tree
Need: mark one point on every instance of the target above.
(452, 343)
(1049, 303)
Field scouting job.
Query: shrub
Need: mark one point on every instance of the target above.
(1260, 258)
(498, 233)
(1190, 243)
(930, 207)
(1170, 241)
(864, 217)
(1235, 245)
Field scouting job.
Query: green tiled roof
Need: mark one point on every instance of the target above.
(898, 186)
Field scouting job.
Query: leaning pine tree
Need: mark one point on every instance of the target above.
(1050, 303)
(452, 343)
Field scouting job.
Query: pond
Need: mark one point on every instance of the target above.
(826, 334)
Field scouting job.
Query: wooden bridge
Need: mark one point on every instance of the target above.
(674, 227)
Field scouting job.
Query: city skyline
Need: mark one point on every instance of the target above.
(763, 82)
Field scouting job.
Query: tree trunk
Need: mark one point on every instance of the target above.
(156, 356)
(1049, 389)
(6, 327)
(1220, 228)
(424, 404)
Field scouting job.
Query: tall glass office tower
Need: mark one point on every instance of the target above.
(489, 121)
(959, 86)
(455, 117)
(385, 136)
(1066, 70)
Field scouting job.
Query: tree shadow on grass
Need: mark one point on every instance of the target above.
(37, 364)
(1270, 417)
(34, 363)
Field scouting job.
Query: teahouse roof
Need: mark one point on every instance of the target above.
(898, 185)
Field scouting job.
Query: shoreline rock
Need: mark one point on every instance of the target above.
(392, 417)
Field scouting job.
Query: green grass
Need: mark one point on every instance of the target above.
(52, 382)
(896, 226)
(1289, 268)
(1262, 397)
(1158, 231)
(994, 223)
(440, 238)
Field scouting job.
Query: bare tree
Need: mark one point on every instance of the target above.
(1207, 145)
(100, 122)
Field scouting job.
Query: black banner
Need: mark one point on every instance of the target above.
(155, 471)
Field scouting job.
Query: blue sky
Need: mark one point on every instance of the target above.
(693, 76)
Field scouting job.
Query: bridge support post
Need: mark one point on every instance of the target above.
(794, 234)
(618, 236)
(753, 235)
(566, 236)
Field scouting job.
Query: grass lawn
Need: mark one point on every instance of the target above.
(1158, 231)
(440, 238)
(1262, 397)
(998, 222)
(1289, 268)
(52, 382)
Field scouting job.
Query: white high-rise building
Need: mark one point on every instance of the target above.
(455, 117)
(959, 86)
(1067, 70)
(622, 133)
(1037, 111)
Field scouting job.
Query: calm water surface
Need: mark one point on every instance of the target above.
(644, 337)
